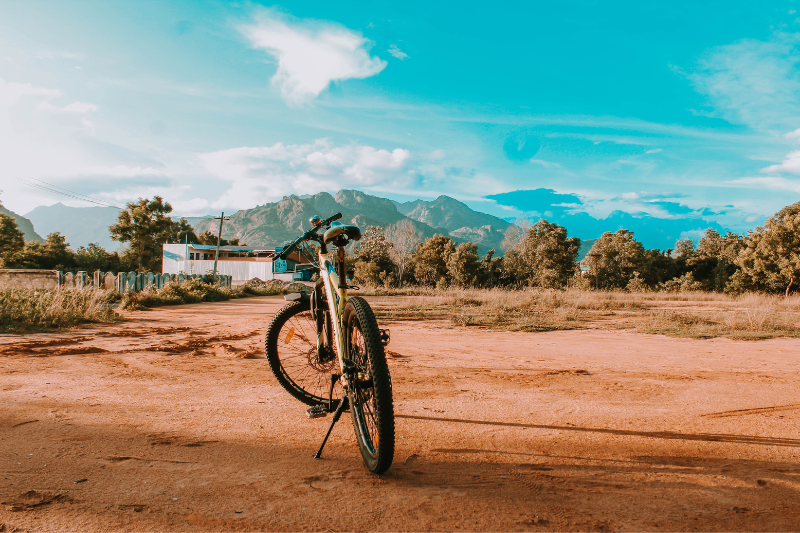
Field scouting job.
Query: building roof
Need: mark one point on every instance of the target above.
(233, 248)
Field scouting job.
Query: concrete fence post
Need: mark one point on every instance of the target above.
(81, 279)
(130, 283)
(149, 280)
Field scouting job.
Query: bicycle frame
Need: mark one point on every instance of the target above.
(337, 298)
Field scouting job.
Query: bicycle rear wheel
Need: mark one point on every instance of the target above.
(370, 388)
(291, 346)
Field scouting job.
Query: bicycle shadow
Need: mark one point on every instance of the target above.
(672, 435)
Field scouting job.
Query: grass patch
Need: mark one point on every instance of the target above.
(525, 310)
(28, 310)
(692, 314)
(750, 317)
(193, 291)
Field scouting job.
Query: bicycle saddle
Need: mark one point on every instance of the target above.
(337, 228)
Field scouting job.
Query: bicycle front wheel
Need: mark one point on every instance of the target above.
(291, 346)
(370, 389)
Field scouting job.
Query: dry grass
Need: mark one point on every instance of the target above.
(691, 314)
(26, 310)
(195, 291)
(749, 317)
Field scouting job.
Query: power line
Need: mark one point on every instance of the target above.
(45, 186)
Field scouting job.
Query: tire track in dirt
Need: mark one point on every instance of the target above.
(753, 411)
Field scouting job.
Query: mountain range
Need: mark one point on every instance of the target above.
(272, 224)
(24, 225)
(80, 225)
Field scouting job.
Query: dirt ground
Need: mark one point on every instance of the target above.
(172, 421)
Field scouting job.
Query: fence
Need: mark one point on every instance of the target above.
(122, 282)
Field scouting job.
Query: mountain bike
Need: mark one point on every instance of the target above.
(323, 344)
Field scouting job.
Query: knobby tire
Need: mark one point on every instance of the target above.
(370, 399)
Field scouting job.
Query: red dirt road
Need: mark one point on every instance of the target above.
(170, 423)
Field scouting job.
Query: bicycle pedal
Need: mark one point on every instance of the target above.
(318, 411)
(384, 334)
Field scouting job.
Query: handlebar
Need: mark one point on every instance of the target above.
(306, 236)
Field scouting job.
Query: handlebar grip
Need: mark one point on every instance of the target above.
(337, 216)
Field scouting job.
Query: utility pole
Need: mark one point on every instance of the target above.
(219, 238)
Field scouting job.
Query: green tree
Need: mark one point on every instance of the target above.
(53, 254)
(145, 227)
(614, 257)
(491, 270)
(184, 233)
(715, 259)
(542, 257)
(210, 239)
(95, 257)
(372, 258)
(463, 265)
(430, 260)
(12, 240)
(770, 257)
(658, 266)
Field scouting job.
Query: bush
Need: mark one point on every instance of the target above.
(193, 291)
(24, 310)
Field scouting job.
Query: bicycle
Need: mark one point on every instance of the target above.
(323, 339)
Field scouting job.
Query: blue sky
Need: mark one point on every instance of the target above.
(662, 109)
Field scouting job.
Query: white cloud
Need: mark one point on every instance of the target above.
(74, 107)
(311, 55)
(752, 82)
(267, 173)
(653, 151)
(545, 164)
(11, 92)
(772, 182)
(790, 164)
(437, 154)
(396, 52)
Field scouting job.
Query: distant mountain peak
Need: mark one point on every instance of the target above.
(277, 222)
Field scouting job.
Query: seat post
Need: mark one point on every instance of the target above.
(342, 269)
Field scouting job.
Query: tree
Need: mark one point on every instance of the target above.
(614, 258)
(145, 226)
(12, 240)
(515, 235)
(95, 257)
(430, 260)
(209, 239)
(770, 258)
(715, 260)
(658, 266)
(184, 233)
(491, 270)
(545, 257)
(53, 254)
(372, 262)
(404, 238)
(463, 267)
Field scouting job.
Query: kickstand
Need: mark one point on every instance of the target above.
(336, 414)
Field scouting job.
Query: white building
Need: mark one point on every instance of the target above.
(242, 263)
